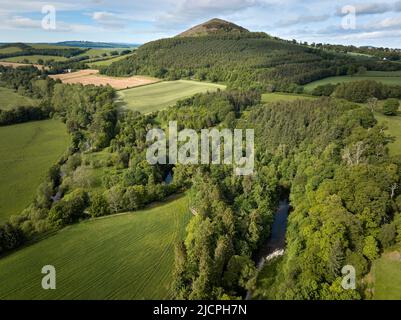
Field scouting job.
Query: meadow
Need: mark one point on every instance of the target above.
(26, 153)
(394, 129)
(34, 58)
(10, 99)
(161, 95)
(386, 77)
(9, 50)
(126, 256)
(106, 62)
(276, 97)
(387, 277)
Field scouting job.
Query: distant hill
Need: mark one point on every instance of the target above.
(214, 26)
(220, 51)
(90, 44)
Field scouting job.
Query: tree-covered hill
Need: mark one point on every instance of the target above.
(242, 60)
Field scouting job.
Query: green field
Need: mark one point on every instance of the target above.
(106, 62)
(391, 78)
(158, 96)
(394, 129)
(10, 99)
(34, 58)
(26, 153)
(387, 277)
(128, 256)
(9, 50)
(276, 97)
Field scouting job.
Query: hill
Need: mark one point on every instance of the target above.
(90, 44)
(240, 59)
(214, 26)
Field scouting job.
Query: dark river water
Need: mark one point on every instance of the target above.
(276, 242)
(277, 237)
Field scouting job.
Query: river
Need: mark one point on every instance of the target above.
(275, 246)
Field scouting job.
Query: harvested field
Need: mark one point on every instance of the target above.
(90, 76)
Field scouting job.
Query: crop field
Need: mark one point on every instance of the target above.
(106, 62)
(127, 256)
(386, 77)
(89, 76)
(34, 58)
(10, 99)
(275, 97)
(387, 277)
(27, 151)
(158, 96)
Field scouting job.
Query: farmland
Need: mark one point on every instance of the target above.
(33, 59)
(387, 276)
(390, 78)
(275, 97)
(26, 153)
(89, 76)
(128, 256)
(106, 62)
(158, 96)
(10, 99)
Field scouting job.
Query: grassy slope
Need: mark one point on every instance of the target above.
(275, 97)
(387, 276)
(34, 58)
(10, 99)
(107, 62)
(393, 78)
(9, 50)
(26, 153)
(129, 256)
(161, 95)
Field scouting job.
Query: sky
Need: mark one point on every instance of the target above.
(375, 23)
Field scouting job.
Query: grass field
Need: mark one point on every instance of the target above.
(394, 129)
(34, 58)
(128, 256)
(10, 99)
(391, 78)
(26, 153)
(275, 97)
(9, 50)
(158, 96)
(106, 62)
(387, 277)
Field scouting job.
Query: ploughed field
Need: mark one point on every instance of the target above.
(27, 151)
(161, 95)
(126, 256)
(89, 76)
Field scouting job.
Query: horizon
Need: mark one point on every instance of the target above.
(374, 24)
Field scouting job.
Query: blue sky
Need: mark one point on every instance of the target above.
(377, 22)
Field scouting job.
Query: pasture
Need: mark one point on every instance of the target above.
(33, 58)
(387, 276)
(276, 97)
(394, 129)
(106, 62)
(88, 76)
(9, 99)
(9, 50)
(161, 95)
(385, 77)
(27, 151)
(126, 256)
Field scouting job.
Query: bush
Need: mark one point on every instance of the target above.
(99, 206)
(390, 107)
